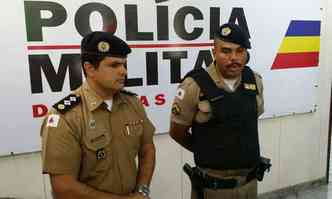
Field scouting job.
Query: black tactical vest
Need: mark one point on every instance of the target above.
(230, 139)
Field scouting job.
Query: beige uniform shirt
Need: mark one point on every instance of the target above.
(187, 107)
(96, 145)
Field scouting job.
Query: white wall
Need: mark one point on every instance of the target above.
(297, 145)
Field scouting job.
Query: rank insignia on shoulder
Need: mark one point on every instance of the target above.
(67, 103)
(250, 86)
(100, 154)
(128, 93)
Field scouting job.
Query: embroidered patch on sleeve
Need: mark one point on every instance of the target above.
(53, 120)
(176, 109)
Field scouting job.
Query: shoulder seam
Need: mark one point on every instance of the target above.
(126, 92)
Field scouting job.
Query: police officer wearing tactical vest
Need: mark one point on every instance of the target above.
(220, 105)
(91, 138)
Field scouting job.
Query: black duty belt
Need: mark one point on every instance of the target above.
(212, 182)
(200, 178)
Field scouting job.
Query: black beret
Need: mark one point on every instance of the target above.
(104, 43)
(233, 33)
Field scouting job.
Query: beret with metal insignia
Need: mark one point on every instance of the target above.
(104, 44)
(231, 32)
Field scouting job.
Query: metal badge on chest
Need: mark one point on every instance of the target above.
(100, 154)
(92, 124)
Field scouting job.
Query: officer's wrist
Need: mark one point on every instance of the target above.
(144, 190)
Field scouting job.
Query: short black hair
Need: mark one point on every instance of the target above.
(92, 59)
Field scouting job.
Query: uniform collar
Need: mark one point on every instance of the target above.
(94, 101)
(118, 100)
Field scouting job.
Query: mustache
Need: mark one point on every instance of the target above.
(234, 64)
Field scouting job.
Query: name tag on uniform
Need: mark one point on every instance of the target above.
(250, 87)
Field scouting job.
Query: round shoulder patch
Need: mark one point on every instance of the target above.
(180, 93)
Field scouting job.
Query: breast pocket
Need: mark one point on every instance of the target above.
(133, 131)
(97, 156)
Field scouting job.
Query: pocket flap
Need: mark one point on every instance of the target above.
(97, 139)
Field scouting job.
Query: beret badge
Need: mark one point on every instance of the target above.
(103, 46)
(226, 31)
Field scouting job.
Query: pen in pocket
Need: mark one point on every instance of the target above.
(128, 129)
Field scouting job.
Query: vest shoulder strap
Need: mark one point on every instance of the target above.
(249, 81)
(206, 84)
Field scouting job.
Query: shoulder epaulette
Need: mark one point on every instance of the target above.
(67, 103)
(249, 81)
(128, 93)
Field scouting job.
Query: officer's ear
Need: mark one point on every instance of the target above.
(248, 57)
(88, 67)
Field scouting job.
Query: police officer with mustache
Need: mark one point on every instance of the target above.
(214, 115)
